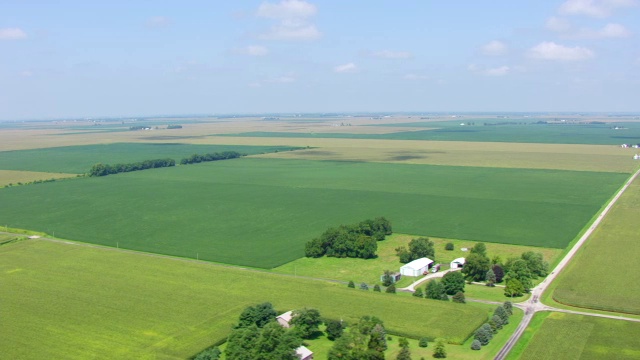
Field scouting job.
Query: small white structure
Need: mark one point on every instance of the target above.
(304, 353)
(284, 319)
(636, 157)
(457, 263)
(416, 267)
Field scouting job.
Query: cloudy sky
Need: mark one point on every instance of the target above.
(134, 58)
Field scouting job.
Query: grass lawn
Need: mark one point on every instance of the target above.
(79, 159)
(260, 212)
(568, 336)
(78, 302)
(474, 291)
(603, 274)
(370, 270)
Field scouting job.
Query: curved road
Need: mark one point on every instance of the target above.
(532, 305)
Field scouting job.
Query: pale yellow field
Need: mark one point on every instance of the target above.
(13, 177)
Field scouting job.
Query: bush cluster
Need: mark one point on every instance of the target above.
(198, 158)
(354, 241)
(106, 169)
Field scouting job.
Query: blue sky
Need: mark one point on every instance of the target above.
(134, 58)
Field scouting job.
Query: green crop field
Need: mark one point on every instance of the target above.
(78, 159)
(261, 212)
(78, 302)
(520, 133)
(608, 262)
(567, 336)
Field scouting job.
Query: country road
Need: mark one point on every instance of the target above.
(533, 305)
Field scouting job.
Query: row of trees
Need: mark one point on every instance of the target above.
(484, 333)
(106, 169)
(518, 273)
(418, 248)
(354, 241)
(365, 340)
(198, 158)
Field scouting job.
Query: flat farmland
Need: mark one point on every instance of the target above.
(79, 302)
(605, 273)
(79, 159)
(261, 212)
(14, 177)
(568, 336)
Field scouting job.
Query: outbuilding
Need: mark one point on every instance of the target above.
(457, 263)
(284, 319)
(416, 267)
(304, 353)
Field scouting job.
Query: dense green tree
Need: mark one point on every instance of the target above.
(387, 278)
(259, 315)
(491, 278)
(536, 264)
(508, 307)
(498, 321)
(459, 298)
(476, 345)
(476, 267)
(514, 288)
(306, 322)
(449, 246)
(519, 270)
(424, 342)
(209, 354)
(496, 260)
(376, 288)
(334, 329)
(483, 335)
(435, 290)
(364, 286)
(275, 343)
(240, 343)
(354, 241)
(488, 329)
(453, 282)
(391, 289)
(498, 272)
(405, 353)
(418, 293)
(403, 254)
(502, 314)
(480, 249)
(377, 339)
(351, 284)
(403, 342)
(439, 351)
(418, 248)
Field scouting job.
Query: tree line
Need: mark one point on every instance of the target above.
(198, 158)
(354, 241)
(106, 169)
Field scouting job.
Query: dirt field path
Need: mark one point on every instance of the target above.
(533, 305)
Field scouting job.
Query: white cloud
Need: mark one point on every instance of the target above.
(12, 34)
(473, 67)
(345, 68)
(494, 48)
(557, 24)
(158, 22)
(282, 79)
(415, 77)
(253, 50)
(594, 8)
(613, 31)
(499, 71)
(255, 85)
(293, 20)
(287, 9)
(388, 54)
(549, 50)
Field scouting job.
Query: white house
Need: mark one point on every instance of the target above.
(304, 353)
(283, 319)
(457, 263)
(416, 267)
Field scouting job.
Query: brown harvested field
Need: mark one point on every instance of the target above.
(13, 177)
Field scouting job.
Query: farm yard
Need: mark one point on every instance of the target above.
(249, 211)
(77, 302)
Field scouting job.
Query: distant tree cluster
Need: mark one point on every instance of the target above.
(198, 158)
(484, 333)
(365, 340)
(354, 241)
(106, 169)
(418, 248)
(170, 127)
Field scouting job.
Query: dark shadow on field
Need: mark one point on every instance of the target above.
(319, 153)
(411, 155)
(168, 137)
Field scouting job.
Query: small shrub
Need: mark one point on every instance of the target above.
(376, 287)
(424, 342)
(449, 247)
(391, 289)
(418, 293)
(364, 286)
(475, 345)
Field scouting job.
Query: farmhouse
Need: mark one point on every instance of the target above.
(304, 353)
(284, 319)
(395, 277)
(457, 263)
(416, 267)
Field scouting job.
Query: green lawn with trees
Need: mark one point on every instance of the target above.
(261, 212)
(76, 302)
(568, 336)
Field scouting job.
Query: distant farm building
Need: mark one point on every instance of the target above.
(304, 353)
(395, 277)
(416, 267)
(284, 319)
(636, 157)
(457, 263)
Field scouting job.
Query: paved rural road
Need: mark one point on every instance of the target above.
(533, 305)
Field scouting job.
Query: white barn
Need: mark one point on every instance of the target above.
(416, 267)
(304, 353)
(457, 263)
(284, 319)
